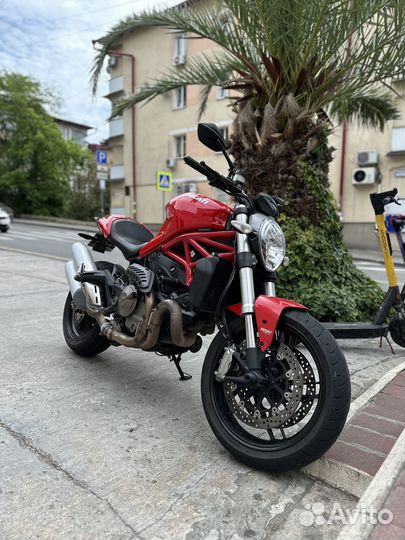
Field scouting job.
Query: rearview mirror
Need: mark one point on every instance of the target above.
(211, 137)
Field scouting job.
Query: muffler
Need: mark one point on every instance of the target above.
(82, 261)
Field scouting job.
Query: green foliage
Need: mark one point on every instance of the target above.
(83, 202)
(36, 163)
(321, 274)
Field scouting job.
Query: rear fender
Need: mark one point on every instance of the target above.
(268, 312)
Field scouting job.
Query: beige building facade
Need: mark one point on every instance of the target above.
(153, 137)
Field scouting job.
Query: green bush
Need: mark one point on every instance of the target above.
(321, 274)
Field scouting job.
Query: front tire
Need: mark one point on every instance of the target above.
(322, 423)
(81, 332)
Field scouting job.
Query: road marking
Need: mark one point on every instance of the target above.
(35, 253)
(4, 237)
(34, 236)
(16, 236)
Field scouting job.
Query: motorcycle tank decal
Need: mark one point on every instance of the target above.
(268, 311)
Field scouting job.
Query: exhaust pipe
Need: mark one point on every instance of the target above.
(82, 261)
(149, 334)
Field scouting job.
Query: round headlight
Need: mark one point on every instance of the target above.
(271, 244)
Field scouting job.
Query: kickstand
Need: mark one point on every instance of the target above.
(176, 359)
(388, 341)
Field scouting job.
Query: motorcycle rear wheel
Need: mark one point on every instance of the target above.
(289, 446)
(81, 332)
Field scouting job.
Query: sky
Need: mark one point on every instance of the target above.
(50, 40)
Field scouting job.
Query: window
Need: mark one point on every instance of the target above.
(222, 93)
(186, 187)
(225, 134)
(398, 139)
(180, 146)
(180, 97)
(180, 48)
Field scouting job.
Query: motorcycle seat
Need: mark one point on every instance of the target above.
(130, 237)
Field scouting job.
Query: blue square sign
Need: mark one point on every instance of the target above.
(164, 181)
(102, 157)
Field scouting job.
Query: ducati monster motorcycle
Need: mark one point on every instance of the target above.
(275, 385)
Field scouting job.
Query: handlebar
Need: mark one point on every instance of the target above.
(379, 200)
(214, 178)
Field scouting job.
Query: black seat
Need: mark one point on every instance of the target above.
(130, 237)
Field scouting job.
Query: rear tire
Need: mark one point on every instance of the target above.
(84, 338)
(322, 428)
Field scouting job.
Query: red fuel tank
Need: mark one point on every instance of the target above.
(190, 213)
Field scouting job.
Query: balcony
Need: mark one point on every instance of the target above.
(116, 127)
(116, 84)
(117, 173)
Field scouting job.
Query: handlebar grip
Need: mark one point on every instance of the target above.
(195, 165)
(379, 200)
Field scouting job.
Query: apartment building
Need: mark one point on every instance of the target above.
(154, 137)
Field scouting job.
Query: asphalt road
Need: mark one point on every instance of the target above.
(57, 242)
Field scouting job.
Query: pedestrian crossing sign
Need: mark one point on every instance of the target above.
(164, 181)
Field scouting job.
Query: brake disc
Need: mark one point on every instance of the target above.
(308, 398)
(274, 405)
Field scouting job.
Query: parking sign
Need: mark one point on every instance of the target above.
(164, 181)
(102, 157)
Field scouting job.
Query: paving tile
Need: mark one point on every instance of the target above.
(394, 390)
(386, 412)
(383, 426)
(396, 503)
(360, 459)
(387, 532)
(368, 438)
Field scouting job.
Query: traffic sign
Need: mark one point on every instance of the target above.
(102, 175)
(102, 185)
(164, 181)
(102, 168)
(102, 157)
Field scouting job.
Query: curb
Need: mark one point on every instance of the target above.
(371, 260)
(342, 475)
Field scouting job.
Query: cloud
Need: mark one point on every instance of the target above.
(51, 41)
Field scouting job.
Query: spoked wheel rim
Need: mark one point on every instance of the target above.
(283, 413)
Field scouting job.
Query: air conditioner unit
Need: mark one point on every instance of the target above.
(366, 158)
(171, 163)
(179, 60)
(112, 61)
(365, 176)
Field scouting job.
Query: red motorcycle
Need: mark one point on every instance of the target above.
(275, 385)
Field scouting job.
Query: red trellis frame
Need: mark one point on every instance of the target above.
(199, 242)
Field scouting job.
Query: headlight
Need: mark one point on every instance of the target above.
(271, 244)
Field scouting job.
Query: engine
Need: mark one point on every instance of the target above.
(131, 307)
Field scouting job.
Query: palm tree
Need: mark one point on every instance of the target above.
(293, 66)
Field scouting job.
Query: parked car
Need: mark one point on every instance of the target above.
(7, 209)
(4, 221)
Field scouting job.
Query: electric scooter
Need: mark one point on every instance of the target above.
(380, 327)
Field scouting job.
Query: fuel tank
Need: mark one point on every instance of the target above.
(188, 213)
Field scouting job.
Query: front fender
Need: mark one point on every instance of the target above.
(268, 312)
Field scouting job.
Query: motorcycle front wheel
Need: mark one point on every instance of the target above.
(295, 418)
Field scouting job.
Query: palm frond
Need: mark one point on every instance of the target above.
(371, 108)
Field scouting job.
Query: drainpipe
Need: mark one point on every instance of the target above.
(342, 167)
(133, 130)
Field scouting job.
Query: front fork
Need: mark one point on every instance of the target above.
(245, 264)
